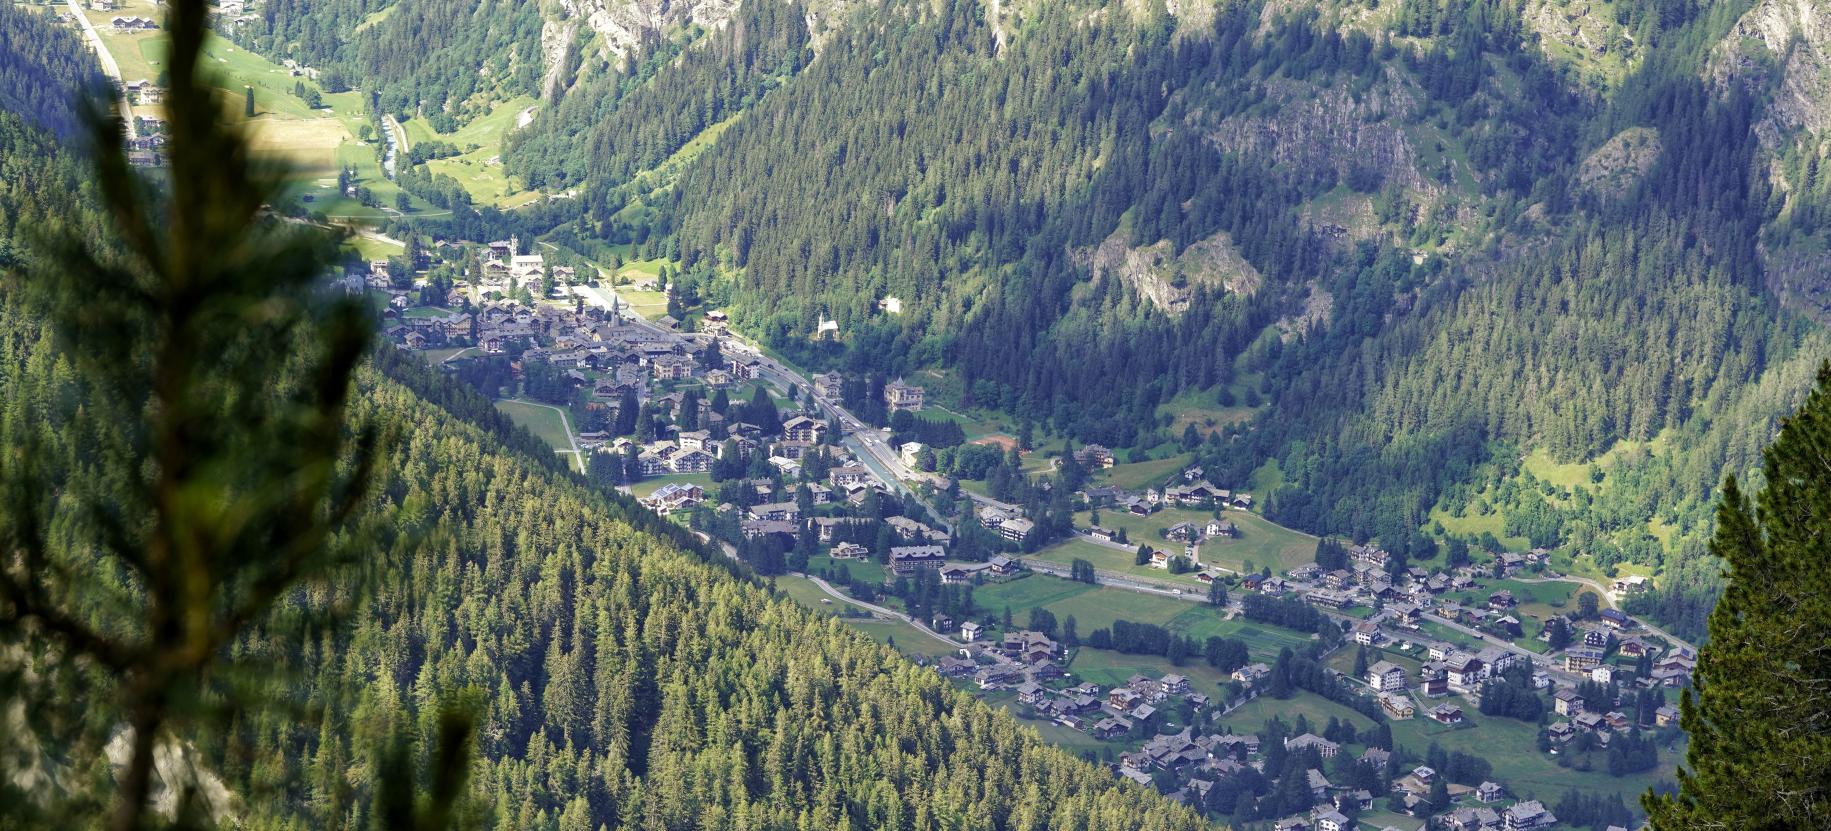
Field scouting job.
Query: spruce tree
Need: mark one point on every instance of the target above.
(1759, 711)
(222, 475)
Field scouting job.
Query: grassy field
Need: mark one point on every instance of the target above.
(648, 486)
(869, 571)
(1106, 558)
(1537, 601)
(1107, 668)
(1509, 744)
(1261, 542)
(804, 592)
(370, 248)
(479, 166)
(1266, 478)
(1473, 525)
(1201, 622)
(1140, 475)
(316, 141)
(908, 639)
(1443, 633)
(1202, 410)
(544, 422)
(443, 354)
(1097, 607)
(1251, 717)
(1377, 820)
(1093, 607)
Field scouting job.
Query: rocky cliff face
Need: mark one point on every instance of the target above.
(621, 27)
(1303, 125)
(1167, 280)
(624, 25)
(1783, 46)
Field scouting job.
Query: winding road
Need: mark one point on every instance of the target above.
(1603, 594)
(892, 613)
(109, 67)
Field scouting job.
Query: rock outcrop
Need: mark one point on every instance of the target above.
(1783, 47)
(1168, 280)
(1615, 167)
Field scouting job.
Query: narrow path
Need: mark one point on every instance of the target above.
(892, 613)
(1194, 593)
(565, 424)
(1603, 595)
(109, 67)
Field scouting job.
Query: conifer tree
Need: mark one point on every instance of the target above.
(1759, 713)
(215, 373)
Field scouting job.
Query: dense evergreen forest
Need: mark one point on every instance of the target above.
(442, 60)
(620, 677)
(622, 681)
(44, 62)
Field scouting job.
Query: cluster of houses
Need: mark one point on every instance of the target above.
(1193, 492)
(132, 23)
(1530, 815)
(1599, 719)
(1025, 661)
(694, 451)
(1195, 763)
(143, 92)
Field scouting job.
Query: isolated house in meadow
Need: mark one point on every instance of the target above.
(1447, 713)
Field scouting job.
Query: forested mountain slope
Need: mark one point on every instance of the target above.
(620, 680)
(44, 62)
(1424, 240)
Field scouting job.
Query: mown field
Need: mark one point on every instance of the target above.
(543, 421)
(478, 167)
(1261, 542)
(316, 142)
(1107, 558)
